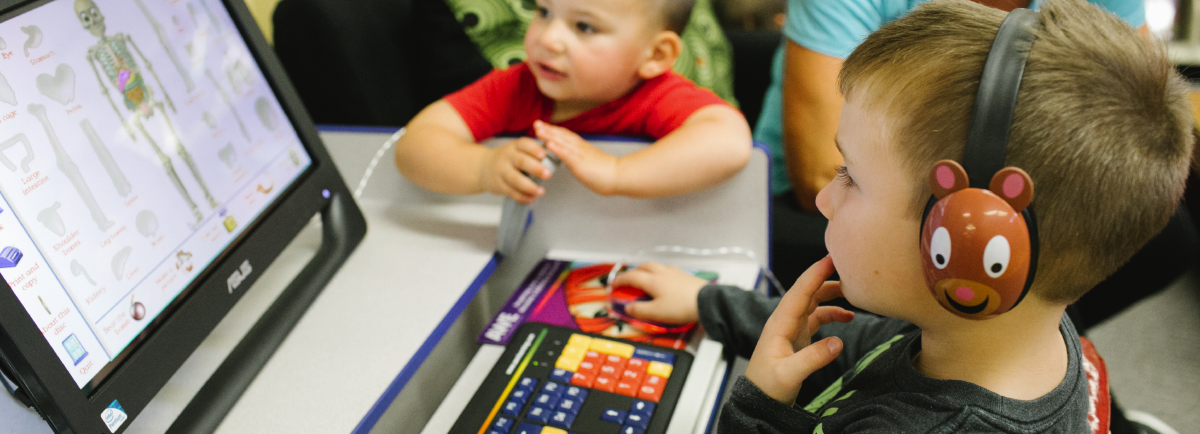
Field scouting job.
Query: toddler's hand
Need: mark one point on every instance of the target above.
(783, 357)
(504, 168)
(594, 168)
(674, 293)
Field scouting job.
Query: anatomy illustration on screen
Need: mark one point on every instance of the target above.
(114, 58)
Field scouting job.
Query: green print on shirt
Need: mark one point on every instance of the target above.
(836, 387)
(497, 27)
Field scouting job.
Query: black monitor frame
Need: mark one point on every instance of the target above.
(41, 379)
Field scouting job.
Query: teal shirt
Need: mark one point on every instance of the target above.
(834, 28)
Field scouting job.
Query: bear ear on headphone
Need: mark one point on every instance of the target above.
(1014, 186)
(947, 176)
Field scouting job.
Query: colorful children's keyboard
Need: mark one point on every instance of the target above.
(555, 380)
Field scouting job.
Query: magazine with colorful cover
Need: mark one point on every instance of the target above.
(575, 294)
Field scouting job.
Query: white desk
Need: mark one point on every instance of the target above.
(370, 321)
(363, 328)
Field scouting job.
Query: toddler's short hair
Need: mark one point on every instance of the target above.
(673, 13)
(1102, 124)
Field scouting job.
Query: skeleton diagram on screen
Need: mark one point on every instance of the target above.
(113, 57)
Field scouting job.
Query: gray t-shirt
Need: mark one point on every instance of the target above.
(872, 387)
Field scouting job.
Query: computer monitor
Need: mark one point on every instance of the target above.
(154, 160)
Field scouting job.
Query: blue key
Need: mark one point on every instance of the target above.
(539, 414)
(562, 419)
(644, 408)
(502, 424)
(653, 355)
(512, 408)
(562, 375)
(495, 431)
(528, 428)
(614, 416)
(576, 392)
(553, 388)
(569, 405)
(637, 420)
(546, 399)
(520, 395)
(527, 384)
(630, 429)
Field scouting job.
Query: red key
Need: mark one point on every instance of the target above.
(609, 370)
(592, 355)
(582, 380)
(614, 360)
(627, 389)
(638, 365)
(655, 381)
(589, 367)
(632, 376)
(607, 384)
(649, 392)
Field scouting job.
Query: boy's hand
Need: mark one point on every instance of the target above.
(594, 168)
(783, 358)
(674, 293)
(504, 170)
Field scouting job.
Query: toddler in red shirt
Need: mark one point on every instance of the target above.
(594, 67)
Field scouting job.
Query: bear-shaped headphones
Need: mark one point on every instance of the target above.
(979, 242)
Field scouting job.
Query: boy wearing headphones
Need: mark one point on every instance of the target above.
(961, 337)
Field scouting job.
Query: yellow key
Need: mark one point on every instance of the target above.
(579, 341)
(568, 363)
(574, 352)
(552, 430)
(660, 369)
(615, 348)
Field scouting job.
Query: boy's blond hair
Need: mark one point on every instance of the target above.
(1102, 124)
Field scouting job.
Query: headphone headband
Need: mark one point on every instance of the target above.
(996, 100)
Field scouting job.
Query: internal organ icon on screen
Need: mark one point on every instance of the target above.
(60, 86)
(33, 38)
(7, 95)
(77, 269)
(25, 160)
(119, 66)
(68, 167)
(118, 262)
(147, 223)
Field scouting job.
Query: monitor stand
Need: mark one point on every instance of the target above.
(223, 389)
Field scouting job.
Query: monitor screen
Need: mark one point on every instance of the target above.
(138, 141)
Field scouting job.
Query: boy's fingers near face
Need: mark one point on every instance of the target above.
(808, 360)
(791, 316)
(821, 316)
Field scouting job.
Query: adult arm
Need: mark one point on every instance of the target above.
(812, 106)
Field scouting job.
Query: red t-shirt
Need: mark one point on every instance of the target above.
(508, 101)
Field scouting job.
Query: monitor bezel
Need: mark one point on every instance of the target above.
(31, 362)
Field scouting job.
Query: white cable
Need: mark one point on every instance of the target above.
(691, 251)
(362, 183)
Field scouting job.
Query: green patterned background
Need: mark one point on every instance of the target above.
(498, 28)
